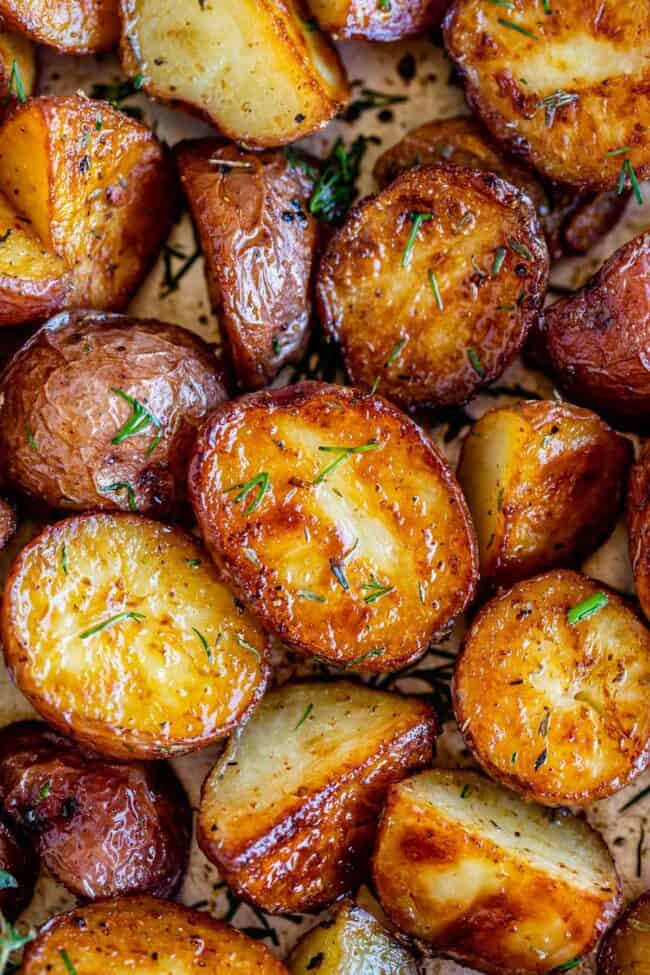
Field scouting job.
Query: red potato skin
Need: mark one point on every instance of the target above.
(638, 523)
(102, 828)
(24, 302)
(366, 21)
(17, 858)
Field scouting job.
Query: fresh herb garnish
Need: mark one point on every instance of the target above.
(541, 759)
(637, 798)
(311, 596)
(566, 967)
(248, 646)
(336, 188)
(297, 161)
(433, 282)
(520, 249)
(31, 439)
(11, 941)
(64, 559)
(421, 592)
(339, 574)
(15, 84)
(503, 3)
(204, 643)
(117, 93)
(65, 958)
(477, 365)
(375, 590)
(260, 481)
(308, 711)
(627, 172)
(499, 258)
(377, 652)
(111, 621)
(465, 791)
(418, 219)
(552, 103)
(520, 30)
(587, 608)
(45, 790)
(343, 453)
(140, 420)
(172, 279)
(193, 563)
(123, 486)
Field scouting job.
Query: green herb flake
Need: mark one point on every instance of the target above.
(46, 789)
(64, 559)
(384, 5)
(172, 278)
(122, 486)
(465, 791)
(507, 4)
(476, 363)
(520, 249)
(397, 348)
(111, 621)
(116, 93)
(375, 590)
(513, 758)
(15, 84)
(377, 652)
(140, 420)
(371, 100)
(336, 188)
(421, 592)
(260, 481)
(204, 643)
(433, 283)
(307, 712)
(517, 27)
(31, 439)
(193, 563)
(7, 880)
(65, 958)
(11, 941)
(541, 759)
(499, 258)
(418, 219)
(343, 454)
(585, 609)
(566, 967)
(339, 574)
(552, 103)
(628, 173)
(245, 645)
(311, 596)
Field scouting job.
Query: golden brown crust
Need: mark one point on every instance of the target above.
(638, 524)
(432, 285)
(372, 21)
(79, 27)
(625, 949)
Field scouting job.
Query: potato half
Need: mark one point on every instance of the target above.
(259, 240)
(552, 690)
(336, 520)
(432, 285)
(146, 935)
(289, 814)
(101, 412)
(638, 524)
(374, 20)
(97, 188)
(566, 89)
(488, 879)
(118, 631)
(625, 949)
(70, 26)
(544, 482)
(352, 943)
(256, 69)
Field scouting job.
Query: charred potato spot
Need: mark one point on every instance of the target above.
(101, 411)
(564, 90)
(18, 872)
(337, 521)
(377, 21)
(638, 523)
(431, 286)
(478, 874)
(625, 950)
(146, 935)
(552, 692)
(259, 241)
(118, 631)
(101, 829)
(544, 482)
(82, 27)
(255, 69)
(289, 814)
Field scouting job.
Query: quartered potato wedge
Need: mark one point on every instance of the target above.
(337, 522)
(566, 89)
(431, 286)
(118, 631)
(289, 814)
(471, 870)
(256, 69)
(625, 949)
(377, 20)
(70, 26)
(352, 943)
(97, 189)
(552, 690)
(638, 524)
(147, 936)
(259, 241)
(544, 482)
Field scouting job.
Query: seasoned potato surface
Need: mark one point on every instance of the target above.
(373, 21)
(71, 26)
(625, 950)
(336, 520)
(118, 631)
(476, 873)
(290, 812)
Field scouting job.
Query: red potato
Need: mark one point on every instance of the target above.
(18, 872)
(372, 20)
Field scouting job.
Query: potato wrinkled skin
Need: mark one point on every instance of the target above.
(596, 341)
(625, 949)
(16, 858)
(259, 241)
(81, 27)
(482, 251)
(60, 413)
(101, 829)
(371, 21)
(638, 524)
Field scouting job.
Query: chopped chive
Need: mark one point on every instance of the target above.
(520, 249)
(499, 258)
(65, 958)
(465, 791)
(308, 711)
(477, 365)
(566, 967)
(139, 421)
(420, 592)
(111, 621)
(541, 759)
(248, 646)
(15, 83)
(436, 290)
(7, 880)
(343, 454)
(375, 590)
(64, 559)
(46, 789)
(123, 486)
(637, 798)
(204, 643)
(260, 481)
(518, 28)
(314, 597)
(587, 608)
(418, 219)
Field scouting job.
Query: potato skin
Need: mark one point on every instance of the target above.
(60, 413)
(101, 829)
(82, 27)
(545, 483)
(390, 323)
(533, 693)
(366, 20)
(638, 524)
(7, 522)
(146, 935)
(17, 859)
(259, 242)
(625, 949)
(345, 616)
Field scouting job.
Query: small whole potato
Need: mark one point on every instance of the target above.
(100, 412)
(102, 829)
(18, 872)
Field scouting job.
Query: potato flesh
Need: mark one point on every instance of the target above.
(626, 947)
(81, 27)
(470, 869)
(252, 68)
(135, 688)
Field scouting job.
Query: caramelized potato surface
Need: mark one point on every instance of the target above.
(70, 26)
(119, 633)
(289, 813)
(638, 524)
(373, 21)
(625, 949)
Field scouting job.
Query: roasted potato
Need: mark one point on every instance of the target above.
(102, 829)
(256, 69)
(352, 943)
(78, 27)
(373, 21)
(479, 875)
(336, 520)
(552, 690)
(596, 340)
(289, 813)
(625, 949)
(98, 189)
(566, 89)
(119, 633)
(7, 522)
(17, 67)
(575, 222)
(638, 524)
(431, 286)
(146, 935)
(101, 411)
(18, 872)
(544, 482)
(258, 239)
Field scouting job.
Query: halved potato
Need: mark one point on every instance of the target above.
(374, 20)
(336, 520)
(596, 341)
(638, 524)
(567, 89)
(625, 949)
(552, 690)
(146, 935)
(97, 187)
(17, 67)
(256, 69)
(544, 482)
(118, 631)
(480, 875)
(289, 813)
(259, 240)
(352, 943)
(431, 286)
(71, 26)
